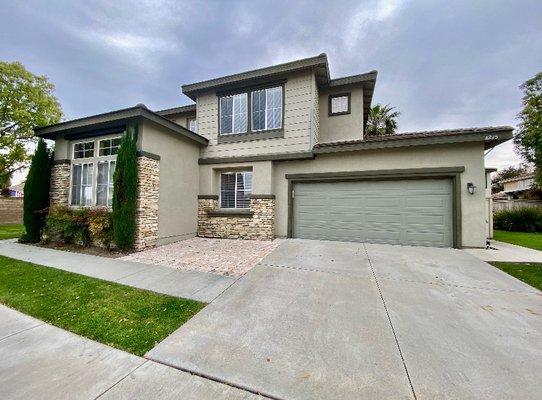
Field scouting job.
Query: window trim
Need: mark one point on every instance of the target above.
(248, 90)
(90, 160)
(235, 190)
(332, 96)
(110, 139)
(83, 142)
(195, 119)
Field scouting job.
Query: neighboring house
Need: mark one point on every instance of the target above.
(16, 190)
(513, 187)
(280, 151)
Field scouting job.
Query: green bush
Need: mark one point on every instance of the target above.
(125, 191)
(81, 226)
(519, 220)
(36, 194)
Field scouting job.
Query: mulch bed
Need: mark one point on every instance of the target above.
(91, 250)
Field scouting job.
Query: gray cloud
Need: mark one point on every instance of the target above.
(442, 64)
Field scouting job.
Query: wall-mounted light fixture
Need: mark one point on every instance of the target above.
(471, 187)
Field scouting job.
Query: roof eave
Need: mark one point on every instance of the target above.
(489, 138)
(116, 117)
(320, 61)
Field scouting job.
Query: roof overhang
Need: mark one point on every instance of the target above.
(191, 108)
(318, 64)
(113, 121)
(366, 80)
(490, 136)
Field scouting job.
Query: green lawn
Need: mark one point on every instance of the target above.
(130, 319)
(531, 240)
(11, 231)
(530, 273)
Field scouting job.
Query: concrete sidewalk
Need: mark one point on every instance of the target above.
(194, 285)
(40, 361)
(501, 251)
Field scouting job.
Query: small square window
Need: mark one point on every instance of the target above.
(339, 104)
(83, 150)
(109, 147)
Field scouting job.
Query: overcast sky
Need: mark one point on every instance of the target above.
(449, 64)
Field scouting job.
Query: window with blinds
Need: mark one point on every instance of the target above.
(235, 189)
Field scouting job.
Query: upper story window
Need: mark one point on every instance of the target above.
(266, 111)
(109, 147)
(339, 104)
(192, 124)
(233, 114)
(83, 150)
(92, 178)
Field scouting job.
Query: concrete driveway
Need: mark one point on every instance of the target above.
(321, 320)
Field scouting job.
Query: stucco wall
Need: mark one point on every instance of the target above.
(298, 107)
(262, 176)
(341, 127)
(470, 155)
(61, 148)
(179, 181)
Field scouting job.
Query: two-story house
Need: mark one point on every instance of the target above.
(281, 152)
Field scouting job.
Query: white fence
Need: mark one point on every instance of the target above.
(500, 205)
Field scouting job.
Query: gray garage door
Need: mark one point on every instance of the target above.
(408, 212)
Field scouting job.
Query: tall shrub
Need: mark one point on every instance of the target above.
(36, 193)
(125, 191)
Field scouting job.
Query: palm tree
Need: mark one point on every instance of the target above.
(382, 120)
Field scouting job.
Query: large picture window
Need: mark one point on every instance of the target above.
(235, 189)
(259, 109)
(92, 178)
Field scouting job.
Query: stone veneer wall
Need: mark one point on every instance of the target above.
(148, 184)
(257, 223)
(60, 183)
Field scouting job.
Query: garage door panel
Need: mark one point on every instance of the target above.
(415, 212)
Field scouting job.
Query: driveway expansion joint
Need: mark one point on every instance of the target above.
(218, 380)
(22, 330)
(391, 323)
(340, 273)
(121, 379)
(457, 285)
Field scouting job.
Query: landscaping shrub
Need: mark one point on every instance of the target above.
(125, 191)
(100, 226)
(81, 226)
(36, 194)
(519, 220)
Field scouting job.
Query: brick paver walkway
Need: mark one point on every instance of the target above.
(231, 257)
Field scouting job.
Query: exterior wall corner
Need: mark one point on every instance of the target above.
(148, 184)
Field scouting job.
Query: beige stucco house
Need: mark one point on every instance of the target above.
(281, 152)
(513, 187)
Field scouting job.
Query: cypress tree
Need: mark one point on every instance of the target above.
(125, 191)
(36, 193)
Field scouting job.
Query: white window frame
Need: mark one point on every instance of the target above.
(90, 160)
(232, 96)
(266, 128)
(82, 165)
(99, 142)
(234, 190)
(195, 121)
(83, 142)
(108, 185)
